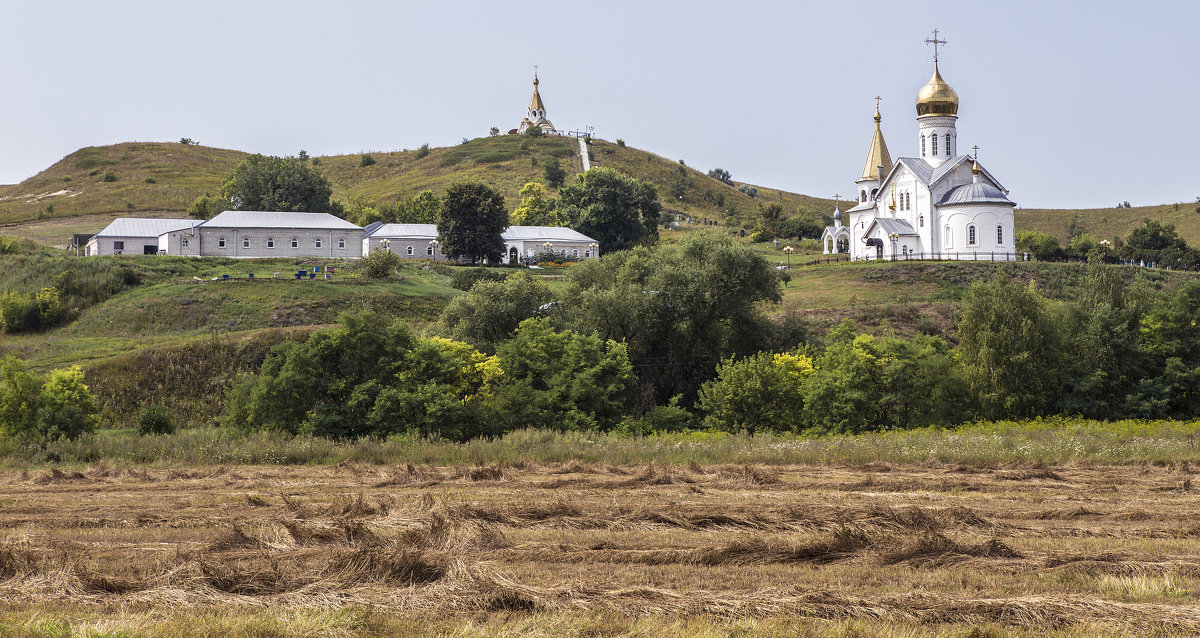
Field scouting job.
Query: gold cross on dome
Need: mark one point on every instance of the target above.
(935, 42)
(837, 199)
(976, 147)
(877, 98)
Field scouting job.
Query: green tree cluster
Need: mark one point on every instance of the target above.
(268, 183)
(40, 409)
(472, 220)
(618, 211)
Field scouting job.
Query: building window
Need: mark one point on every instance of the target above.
(429, 250)
(245, 242)
(999, 235)
(270, 242)
(118, 245)
(410, 250)
(922, 221)
(862, 195)
(575, 253)
(971, 235)
(183, 241)
(935, 144)
(221, 242)
(874, 192)
(587, 254)
(908, 199)
(949, 238)
(947, 145)
(922, 146)
(295, 243)
(341, 242)
(317, 243)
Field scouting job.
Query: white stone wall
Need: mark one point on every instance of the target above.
(942, 126)
(401, 246)
(107, 245)
(985, 219)
(350, 246)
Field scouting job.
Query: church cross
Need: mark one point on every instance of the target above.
(837, 199)
(535, 69)
(976, 147)
(935, 42)
(877, 98)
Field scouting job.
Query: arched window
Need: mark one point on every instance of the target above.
(221, 242)
(862, 196)
(270, 242)
(947, 145)
(295, 243)
(410, 250)
(587, 254)
(935, 144)
(342, 242)
(874, 192)
(245, 242)
(429, 250)
(184, 241)
(999, 235)
(922, 221)
(908, 200)
(922, 146)
(575, 253)
(971, 235)
(949, 238)
(317, 243)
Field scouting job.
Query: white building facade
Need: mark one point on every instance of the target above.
(135, 236)
(936, 205)
(521, 243)
(259, 234)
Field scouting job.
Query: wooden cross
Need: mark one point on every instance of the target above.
(935, 42)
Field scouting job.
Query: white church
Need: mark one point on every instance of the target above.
(937, 205)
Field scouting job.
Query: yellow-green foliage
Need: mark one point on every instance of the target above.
(478, 372)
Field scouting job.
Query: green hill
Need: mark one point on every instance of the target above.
(1107, 223)
(88, 188)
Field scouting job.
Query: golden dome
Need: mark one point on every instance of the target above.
(936, 97)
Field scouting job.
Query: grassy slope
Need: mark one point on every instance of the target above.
(83, 202)
(1106, 223)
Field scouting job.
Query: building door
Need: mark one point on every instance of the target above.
(150, 249)
(513, 255)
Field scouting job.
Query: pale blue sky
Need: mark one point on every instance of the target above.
(1073, 104)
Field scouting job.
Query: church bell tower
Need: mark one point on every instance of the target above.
(879, 164)
(937, 111)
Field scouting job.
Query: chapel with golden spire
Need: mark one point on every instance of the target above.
(936, 204)
(535, 115)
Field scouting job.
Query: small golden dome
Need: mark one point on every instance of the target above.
(936, 97)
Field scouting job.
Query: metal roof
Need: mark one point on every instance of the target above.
(418, 231)
(539, 233)
(930, 175)
(979, 193)
(144, 227)
(264, 219)
(898, 226)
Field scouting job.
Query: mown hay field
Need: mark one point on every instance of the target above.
(579, 548)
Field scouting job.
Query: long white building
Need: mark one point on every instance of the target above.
(420, 241)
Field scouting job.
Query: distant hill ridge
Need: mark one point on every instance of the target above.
(163, 178)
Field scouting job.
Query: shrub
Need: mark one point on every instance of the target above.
(423, 152)
(155, 418)
(381, 264)
(466, 278)
(109, 176)
(187, 141)
(749, 190)
(57, 407)
(49, 208)
(19, 312)
(150, 180)
(534, 131)
(553, 171)
(490, 312)
(620, 142)
(365, 160)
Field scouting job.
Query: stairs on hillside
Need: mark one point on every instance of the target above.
(583, 155)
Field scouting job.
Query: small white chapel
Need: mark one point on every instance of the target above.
(937, 205)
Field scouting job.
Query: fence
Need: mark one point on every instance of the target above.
(915, 256)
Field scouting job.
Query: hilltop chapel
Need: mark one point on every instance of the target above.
(535, 115)
(938, 205)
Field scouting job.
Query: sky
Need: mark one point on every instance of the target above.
(1072, 104)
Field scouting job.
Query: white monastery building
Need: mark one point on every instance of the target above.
(937, 205)
(258, 235)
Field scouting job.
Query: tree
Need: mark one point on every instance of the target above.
(302, 155)
(278, 184)
(366, 377)
(472, 220)
(1043, 247)
(1169, 335)
(617, 210)
(491, 310)
(381, 264)
(763, 391)
(493, 132)
(562, 380)
(721, 175)
(682, 308)
(534, 131)
(20, 399)
(1010, 349)
(680, 183)
(57, 407)
(536, 208)
(553, 171)
(423, 208)
(206, 206)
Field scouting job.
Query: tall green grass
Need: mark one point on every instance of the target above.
(1051, 441)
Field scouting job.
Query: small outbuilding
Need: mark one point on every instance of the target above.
(135, 236)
